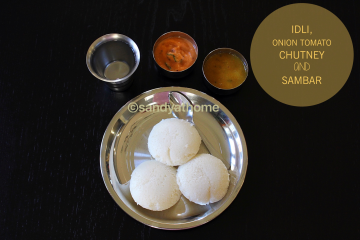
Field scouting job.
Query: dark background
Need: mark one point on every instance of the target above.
(302, 180)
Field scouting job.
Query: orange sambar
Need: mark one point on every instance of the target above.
(225, 70)
(175, 54)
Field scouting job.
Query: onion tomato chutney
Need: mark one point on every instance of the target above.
(175, 54)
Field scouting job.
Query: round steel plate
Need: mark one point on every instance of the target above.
(124, 146)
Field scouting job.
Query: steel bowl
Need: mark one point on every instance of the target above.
(221, 91)
(113, 58)
(177, 74)
(124, 147)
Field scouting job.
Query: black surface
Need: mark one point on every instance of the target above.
(303, 175)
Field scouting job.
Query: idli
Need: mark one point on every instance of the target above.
(203, 180)
(174, 141)
(153, 186)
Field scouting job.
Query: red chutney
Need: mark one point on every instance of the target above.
(175, 54)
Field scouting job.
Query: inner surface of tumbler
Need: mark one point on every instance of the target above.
(113, 60)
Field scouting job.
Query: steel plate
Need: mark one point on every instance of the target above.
(124, 146)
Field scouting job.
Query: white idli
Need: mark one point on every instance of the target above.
(153, 186)
(173, 141)
(203, 180)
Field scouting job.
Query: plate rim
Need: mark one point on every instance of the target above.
(170, 226)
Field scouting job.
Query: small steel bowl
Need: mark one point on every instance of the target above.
(113, 58)
(221, 91)
(177, 74)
